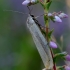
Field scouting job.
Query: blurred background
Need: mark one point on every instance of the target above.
(17, 49)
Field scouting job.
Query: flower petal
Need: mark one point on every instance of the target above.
(52, 44)
(63, 15)
(67, 68)
(67, 57)
(57, 19)
(26, 2)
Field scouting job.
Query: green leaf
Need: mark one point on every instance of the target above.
(47, 5)
(50, 33)
(42, 5)
(60, 68)
(44, 32)
(59, 55)
(52, 18)
(45, 19)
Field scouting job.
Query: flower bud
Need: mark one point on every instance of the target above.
(67, 57)
(49, 14)
(63, 15)
(26, 2)
(52, 44)
(67, 68)
(57, 19)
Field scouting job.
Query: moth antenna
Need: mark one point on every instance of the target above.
(29, 10)
(40, 15)
(15, 11)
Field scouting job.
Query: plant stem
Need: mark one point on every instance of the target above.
(47, 30)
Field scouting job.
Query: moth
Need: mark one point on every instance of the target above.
(40, 42)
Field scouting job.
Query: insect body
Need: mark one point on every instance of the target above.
(40, 42)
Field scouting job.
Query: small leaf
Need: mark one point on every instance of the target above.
(59, 55)
(60, 68)
(45, 19)
(52, 18)
(50, 33)
(48, 5)
(43, 32)
(42, 5)
(61, 39)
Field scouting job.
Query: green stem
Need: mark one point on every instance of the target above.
(47, 30)
(46, 24)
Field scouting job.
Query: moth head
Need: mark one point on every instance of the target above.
(30, 21)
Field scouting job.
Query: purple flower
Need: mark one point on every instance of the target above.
(49, 14)
(67, 57)
(67, 68)
(52, 44)
(57, 19)
(63, 15)
(26, 2)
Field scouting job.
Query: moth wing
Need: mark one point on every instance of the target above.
(40, 42)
